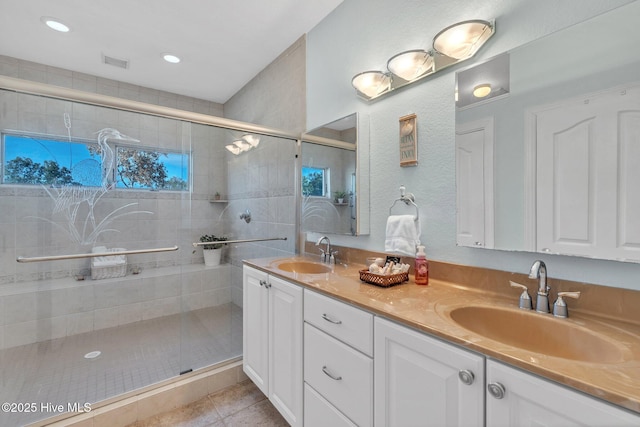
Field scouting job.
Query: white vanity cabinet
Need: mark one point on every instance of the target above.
(516, 398)
(272, 340)
(338, 363)
(422, 381)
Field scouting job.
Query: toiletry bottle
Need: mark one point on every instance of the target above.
(421, 267)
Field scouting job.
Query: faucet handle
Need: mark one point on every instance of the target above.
(525, 299)
(560, 307)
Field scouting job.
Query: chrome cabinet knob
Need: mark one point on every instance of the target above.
(496, 390)
(466, 377)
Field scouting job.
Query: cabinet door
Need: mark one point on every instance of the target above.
(255, 332)
(530, 401)
(285, 351)
(417, 380)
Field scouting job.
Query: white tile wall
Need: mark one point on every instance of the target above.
(43, 310)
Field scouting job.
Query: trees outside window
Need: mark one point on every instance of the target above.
(37, 161)
(314, 181)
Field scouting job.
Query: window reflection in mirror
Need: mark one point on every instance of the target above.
(327, 171)
(334, 177)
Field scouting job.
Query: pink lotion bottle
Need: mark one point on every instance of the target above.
(421, 267)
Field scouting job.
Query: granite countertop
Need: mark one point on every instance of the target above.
(428, 308)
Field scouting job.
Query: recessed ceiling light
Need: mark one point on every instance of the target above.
(55, 24)
(171, 58)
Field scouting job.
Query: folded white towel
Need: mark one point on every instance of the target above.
(403, 235)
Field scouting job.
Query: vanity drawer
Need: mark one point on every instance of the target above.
(340, 374)
(344, 322)
(318, 412)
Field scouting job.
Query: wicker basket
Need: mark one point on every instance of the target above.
(384, 281)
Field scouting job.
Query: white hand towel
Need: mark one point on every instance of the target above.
(403, 235)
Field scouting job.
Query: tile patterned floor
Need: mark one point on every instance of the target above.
(132, 356)
(236, 406)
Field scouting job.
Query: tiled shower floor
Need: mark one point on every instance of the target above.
(132, 356)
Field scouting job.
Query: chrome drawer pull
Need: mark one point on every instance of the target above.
(327, 373)
(328, 319)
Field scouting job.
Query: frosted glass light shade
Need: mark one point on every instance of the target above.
(482, 90)
(411, 64)
(252, 140)
(371, 83)
(233, 148)
(462, 40)
(242, 145)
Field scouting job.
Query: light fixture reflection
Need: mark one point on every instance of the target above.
(411, 64)
(371, 83)
(233, 149)
(462, 40)
(242, 145)
(482, 90)
(252, 140)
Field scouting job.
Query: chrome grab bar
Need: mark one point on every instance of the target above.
(224, 242)
(93, 255)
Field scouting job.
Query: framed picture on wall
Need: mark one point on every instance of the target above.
(408, 140)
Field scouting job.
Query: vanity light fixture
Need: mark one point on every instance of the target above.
(170, 58)
(55, 24)
(452, 45)
(372, 83)
(482, 90)
(462, 40)
(411, 64)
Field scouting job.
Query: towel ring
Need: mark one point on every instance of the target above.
(407, 199)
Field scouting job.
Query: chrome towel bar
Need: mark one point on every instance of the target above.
(93, 255)
(196, 244)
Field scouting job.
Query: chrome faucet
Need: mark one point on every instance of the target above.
(539, 271)
(327, 255)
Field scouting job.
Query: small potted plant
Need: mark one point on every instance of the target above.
(339, 196)
(213, 251)
(216, 196)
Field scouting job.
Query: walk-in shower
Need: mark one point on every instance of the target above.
(101, 289)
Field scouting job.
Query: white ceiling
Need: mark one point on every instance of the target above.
(223, 43)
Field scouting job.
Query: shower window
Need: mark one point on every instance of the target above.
(44, 160)
(315, 181)
(152, 169)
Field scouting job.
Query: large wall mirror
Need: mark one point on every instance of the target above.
(564, 140)
(334, 177)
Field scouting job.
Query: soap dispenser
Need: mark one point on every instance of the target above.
(421, 267)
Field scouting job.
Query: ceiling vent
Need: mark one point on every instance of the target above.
(121, 63)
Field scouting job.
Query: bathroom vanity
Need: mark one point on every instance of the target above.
(335, 348)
